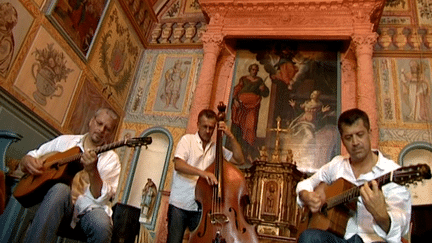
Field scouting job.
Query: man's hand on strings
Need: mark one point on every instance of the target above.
(223, 126)
(32, 165)
(374, 201)
(89, 160)
(210, 178)
(312, 200)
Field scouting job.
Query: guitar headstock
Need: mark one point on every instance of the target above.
(411, 174)
(138, 141)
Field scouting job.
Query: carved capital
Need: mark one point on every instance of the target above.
(212, 42)
(364, 43)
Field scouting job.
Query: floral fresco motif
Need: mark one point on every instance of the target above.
(117, 56)
(424, 11)
(48, 71)
(48, 76)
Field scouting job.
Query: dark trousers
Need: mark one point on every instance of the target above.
(178, 220)
(320, 236)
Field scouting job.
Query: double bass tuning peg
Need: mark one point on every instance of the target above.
(221, 108)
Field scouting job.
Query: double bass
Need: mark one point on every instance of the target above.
(222, 205)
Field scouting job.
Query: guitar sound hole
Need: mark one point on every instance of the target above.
(324, 209)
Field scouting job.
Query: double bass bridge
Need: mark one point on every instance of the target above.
(219, 218)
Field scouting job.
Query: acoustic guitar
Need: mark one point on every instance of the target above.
(341, 199)
(61, 167)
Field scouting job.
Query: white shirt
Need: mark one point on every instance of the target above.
(190, 150)
(397, 197)
(108, 166)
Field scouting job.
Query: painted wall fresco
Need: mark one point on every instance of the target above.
(78, 21)
(164, 87)
(15, 22)
(48, 76)
(89, 100)
(116, 55)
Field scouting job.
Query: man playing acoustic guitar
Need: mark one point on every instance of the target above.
(380, 214)
(88, 208)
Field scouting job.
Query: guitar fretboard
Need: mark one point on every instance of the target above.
(98, 150)
(354, 193)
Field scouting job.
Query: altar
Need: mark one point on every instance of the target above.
(272, 181)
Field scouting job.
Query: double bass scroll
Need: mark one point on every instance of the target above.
(222, 205)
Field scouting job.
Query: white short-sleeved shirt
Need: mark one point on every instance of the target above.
(397, 197)
(190, 149)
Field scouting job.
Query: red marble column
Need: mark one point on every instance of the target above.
(349, 89)
(366, 91)
(224, 80)
(212, 43)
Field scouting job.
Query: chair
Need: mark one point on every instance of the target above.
(6, 138)
(126, 223)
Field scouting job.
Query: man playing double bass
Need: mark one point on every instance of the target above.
(194, 153)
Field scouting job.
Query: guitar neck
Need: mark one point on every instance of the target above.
(110, 146)
(354, 192)
(98, 150)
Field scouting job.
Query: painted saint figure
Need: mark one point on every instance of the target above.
(416, 87)
(173, 80)
(245, 109)
(306, 123)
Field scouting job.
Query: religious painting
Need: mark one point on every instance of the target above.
(414, 75)
(48, 76)
(164, 87)
(15, 22)
(88, 102)
(78, 21)
(116, 55)
(285, 98)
